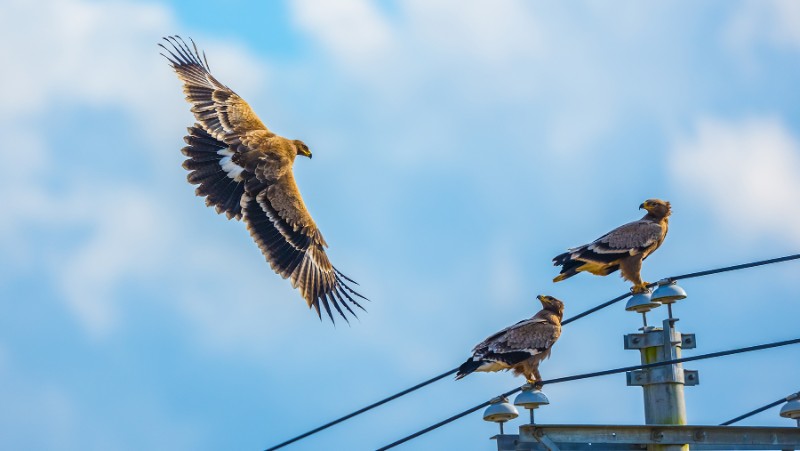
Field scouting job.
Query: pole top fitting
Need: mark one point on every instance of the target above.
(668, 292)
(531, 398)
(641, 303)
(791, 409)
(500, 411)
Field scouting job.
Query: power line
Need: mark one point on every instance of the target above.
(364, 409)
(424, 383)
(736, 267)
(761, 409)
(563, 323)
(595, 374)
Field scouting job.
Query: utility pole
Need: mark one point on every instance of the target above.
(662, 386)
(666, 428)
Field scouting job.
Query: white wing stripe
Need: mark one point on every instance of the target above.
(233, 170)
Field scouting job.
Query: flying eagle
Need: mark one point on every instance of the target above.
(623, 248)
(520, 347)
(245, 171)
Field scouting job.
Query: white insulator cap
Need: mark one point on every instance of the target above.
(668, 292)
(531, 398)
(500, 411)
(791, 409)
(641, 303)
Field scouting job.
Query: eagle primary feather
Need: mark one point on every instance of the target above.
(623, 248)
(245, 171)
(520, 347)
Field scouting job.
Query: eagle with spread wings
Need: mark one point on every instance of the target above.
(520, 347)
(244, 170)
(623, 248)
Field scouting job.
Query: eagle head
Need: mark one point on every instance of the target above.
(302, 148)
(656, 207)
(552, 304)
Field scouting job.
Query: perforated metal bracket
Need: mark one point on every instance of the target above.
(661, 375)
(649, 340)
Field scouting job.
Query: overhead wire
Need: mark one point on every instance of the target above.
(591, 375)
(423, 384)
(749, 414)
(563, 323)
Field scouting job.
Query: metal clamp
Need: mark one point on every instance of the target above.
(662, 375)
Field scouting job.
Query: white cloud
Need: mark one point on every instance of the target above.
(68, 56)
(757, 22)
(524, 63)
(745, 172)
(354, 30)
(127, 242)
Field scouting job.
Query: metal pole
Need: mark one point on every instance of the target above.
(662, 386)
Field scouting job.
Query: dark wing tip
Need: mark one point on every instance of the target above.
(181, 54)
(338, 295)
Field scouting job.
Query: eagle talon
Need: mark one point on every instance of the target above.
(641, 288)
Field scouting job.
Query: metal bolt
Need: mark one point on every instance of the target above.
(657, 436)
(699, 436)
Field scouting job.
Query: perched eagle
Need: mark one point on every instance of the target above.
(623, 248)
(245, 171)
(520, 347)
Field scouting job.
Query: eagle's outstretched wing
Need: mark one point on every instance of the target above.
(245, 171)
(221, 112)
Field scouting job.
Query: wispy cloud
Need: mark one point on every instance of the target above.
(81, 56)
(745, 172)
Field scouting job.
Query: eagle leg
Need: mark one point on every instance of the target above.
(631, 270)
(532, 375)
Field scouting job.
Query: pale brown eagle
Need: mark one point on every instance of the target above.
(520, 347)
(245, 171)
(623, 248)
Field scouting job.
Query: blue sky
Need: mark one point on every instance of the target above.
(458, 146)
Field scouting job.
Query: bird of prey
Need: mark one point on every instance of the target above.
(520, 347)
(244, 170)
(623, 248)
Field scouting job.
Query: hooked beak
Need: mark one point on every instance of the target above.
(540, 297)
(641, 207)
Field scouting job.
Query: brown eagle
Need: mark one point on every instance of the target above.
(245, 171)
(520, 347)
(623, 248)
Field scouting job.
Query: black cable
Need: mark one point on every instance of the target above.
(364, 409)
(761, 409)
(423, 384)
(563, 323)
(594, 309)
(736, 267)
(595, 374)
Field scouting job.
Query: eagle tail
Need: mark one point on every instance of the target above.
(210, 167)
(569, 267)
(468, 367)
